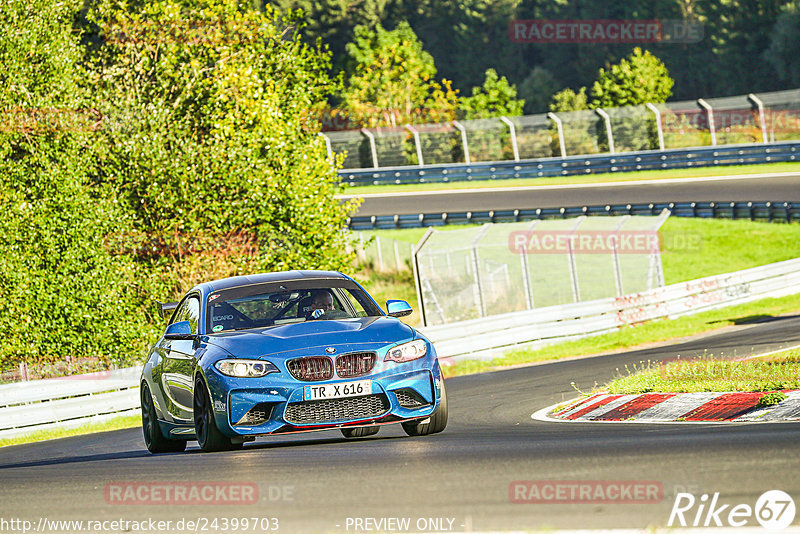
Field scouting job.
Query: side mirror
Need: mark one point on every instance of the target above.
(398, 308)
(179, 330)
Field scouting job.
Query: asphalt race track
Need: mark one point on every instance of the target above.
(784, 188)
(317, 481)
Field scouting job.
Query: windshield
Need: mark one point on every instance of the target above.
(268, 305)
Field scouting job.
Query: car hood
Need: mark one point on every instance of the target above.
(348, 334)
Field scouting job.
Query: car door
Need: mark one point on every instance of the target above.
(179, 363)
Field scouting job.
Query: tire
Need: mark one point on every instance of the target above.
(154, 440)
(437, 421)
(208, 435)
(360, 432)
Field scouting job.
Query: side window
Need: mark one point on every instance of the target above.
(189, 310)
(193, 313)
(359, 309)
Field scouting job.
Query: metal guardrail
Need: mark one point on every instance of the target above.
(68, 402)
(75, 401)
(755, 211)
(490, 337)
(573, 165)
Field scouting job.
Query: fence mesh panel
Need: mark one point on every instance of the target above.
(584, 133)
(500, 268)
(684, 124)
(633, 128)
(782, 115)
(488, 140)
(394, 147)
(354, 145)
(736, 120)
(536, 137)
(383, 254)
(441, 143)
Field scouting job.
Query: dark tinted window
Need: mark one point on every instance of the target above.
(275, 304)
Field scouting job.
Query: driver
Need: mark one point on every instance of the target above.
(321, 302)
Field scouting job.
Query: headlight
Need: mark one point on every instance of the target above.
(407, 351)
(245, 368)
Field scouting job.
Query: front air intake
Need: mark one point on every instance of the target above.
(311, 369)
(355, 364)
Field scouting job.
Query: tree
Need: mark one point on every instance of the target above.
(67, 300)
(537, 89)
(495, 98)
(635, 80)
(784, 48)
(212, 138)
(391, 80)
(569, 100)
(334, 21)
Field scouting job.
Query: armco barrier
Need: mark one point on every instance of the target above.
(68, 402)
(491, 336)
(77, 400)
(764, 211)
(536, 168)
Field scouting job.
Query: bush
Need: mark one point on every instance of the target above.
(66, 299)
(174, 142)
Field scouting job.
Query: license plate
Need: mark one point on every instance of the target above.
(337, 391)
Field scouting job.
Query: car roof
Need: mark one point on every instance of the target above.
(282, 276)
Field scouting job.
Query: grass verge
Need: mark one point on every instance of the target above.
(691, 248)
(695, 172)
(779, 371)
(128, 421)
(631, 337)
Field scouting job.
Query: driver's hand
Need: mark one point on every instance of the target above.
(316, 314)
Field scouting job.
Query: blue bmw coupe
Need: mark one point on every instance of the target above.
(293, 351)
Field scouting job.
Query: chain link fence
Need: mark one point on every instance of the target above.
(382, 253)
(500, 268)
(753, 118)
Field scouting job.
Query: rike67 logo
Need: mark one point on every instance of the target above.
(774, 510)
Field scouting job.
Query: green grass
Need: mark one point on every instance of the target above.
(630, 337)
(695, 248)
(128, 421)
(694, 172)
(385, 286)
(711, 374)
(692, 249)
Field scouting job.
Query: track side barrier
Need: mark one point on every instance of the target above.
(647, 160)
(754, 211)
(78, 400)
(492, 336)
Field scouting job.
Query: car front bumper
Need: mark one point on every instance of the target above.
(275, 404)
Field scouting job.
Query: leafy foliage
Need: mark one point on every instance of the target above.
(635, 80)
(66, 298)
(170, 143)
(495, 98)
(217, 133)
(537, 89)
(784, 48)
(391, 80)
(569, 100)
(638, 79)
